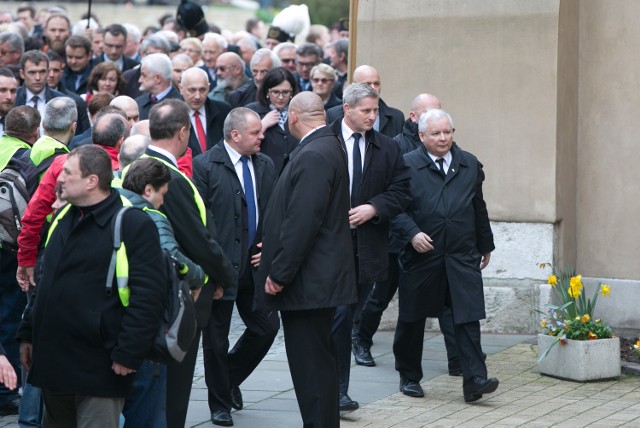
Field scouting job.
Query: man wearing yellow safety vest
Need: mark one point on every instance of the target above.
(79, 341)
(169, 126)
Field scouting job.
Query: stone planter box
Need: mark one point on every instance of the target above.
(580, 360)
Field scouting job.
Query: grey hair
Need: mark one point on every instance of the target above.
(155, 41)
(237, 119)
(107, 134)
(325, 69)
(431, 115)
(263, 53)
(14, 40)
(283, 46)
(217, 39)
(356, 92)
(159, 63)
(133, 31)
(132, 148)
(59, 114)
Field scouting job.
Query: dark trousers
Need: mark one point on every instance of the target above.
(77, 411)
(377, 302)
(179, 382)
(408, 344)
(313, 363)
(223, 368)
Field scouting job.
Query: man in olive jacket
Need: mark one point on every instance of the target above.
(80, 342)
(445, 239)
(307, 264)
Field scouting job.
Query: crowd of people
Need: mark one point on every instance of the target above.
(281, 185)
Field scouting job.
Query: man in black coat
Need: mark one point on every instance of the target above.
(389, 121)
(236, 182)
(155, 81)
(207, 116)
(263, 61)
(34, 69)
(445, 239)
(379, 192)
(194, 230)
(115, 39)
(79, 342)
(307, 264)
(78, 64)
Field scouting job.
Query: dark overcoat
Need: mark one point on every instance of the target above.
(385, 185)
(307, 244)
(217, 181)
(76, 328)
(452, 211)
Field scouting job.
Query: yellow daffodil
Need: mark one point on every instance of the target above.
(592, 336)
(552, 280)
(543, 323)
(576, 282)
(586, 318)
(605, 290)
(637, 346)
(573, 292)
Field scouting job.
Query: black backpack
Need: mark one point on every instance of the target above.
(179, 325)
(18, 182)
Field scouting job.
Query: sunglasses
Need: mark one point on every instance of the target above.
(322, 80)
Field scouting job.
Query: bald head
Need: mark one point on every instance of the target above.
(306, 112)
(421, 104)
(127, 105)
(369, 75)
(132, 148)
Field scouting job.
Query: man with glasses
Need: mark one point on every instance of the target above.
(261, 63)
(11, 49)
(230, 76)
(115, 39)
(308, 55)
(287, 54)
(213, 46)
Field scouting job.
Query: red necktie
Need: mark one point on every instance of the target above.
(202, 138)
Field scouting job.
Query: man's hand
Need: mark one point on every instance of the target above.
(485, 260)
(271, 287)
(121, 370)
(361, 214)
(25, 354)
(25, 275)
(255, 259)
(422, 242)
(7, 374)
(217, 295)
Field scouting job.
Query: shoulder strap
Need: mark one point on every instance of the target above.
(118, 255)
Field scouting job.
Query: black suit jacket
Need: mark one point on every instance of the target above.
(69, 80)
(385, 185)
(212, 83)
(216, 114)
(244, 95)
(132, 86)
(307, 246)
(127, 63)
(391, 119)
(196, 239)
(145, 104)
(81, 107)
(216, 179)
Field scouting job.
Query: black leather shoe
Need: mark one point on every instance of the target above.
(222, 418)
(362, 355)
(236, 398)
(347, 404)
(411, 388)
(474, 389)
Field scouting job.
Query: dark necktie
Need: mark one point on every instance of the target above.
(251, 202)
(202, 138)
(34, 100)
(154, 99)
(440, 162)
(357, 170)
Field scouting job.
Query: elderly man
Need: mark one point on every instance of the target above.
(338, 54)
(379, 192)
(230, 76)
(89, 384)
(213, 45)
(389, 120)
(287, 54)
(207, 116)
(307, 264)
(262, 62)
(132, 45)
(115, 40)
(232, 162)
(151, 44)
(11, 49)
(446, 239)
(308, 55)
(179, 63)
(155, 82)
(247, 47)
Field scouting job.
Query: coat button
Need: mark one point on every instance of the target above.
(237, 191)
(237, 241)
(236, 216)
(235, 265)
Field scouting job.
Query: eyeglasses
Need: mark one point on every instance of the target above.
(224, 68)
(284, 93)
(307, 64)
(3, 53)
(322, 80)
(287, 61)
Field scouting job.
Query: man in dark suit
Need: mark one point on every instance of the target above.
(150, 44)
(390, 120)
(34, 69)
(307, 264)
(207, 116)
(262, 62)
(115, 39)
(233, 164)
(155, 81)
(213, 45)
(308, 55)
(446, 239)
(78, 64)
(194, 230)
(379, 192)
